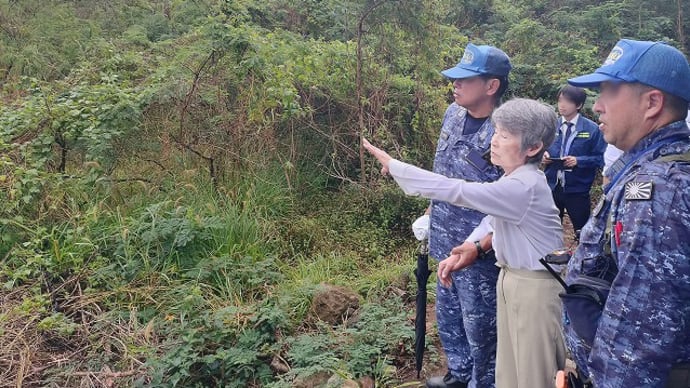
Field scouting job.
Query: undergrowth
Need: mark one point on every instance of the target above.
(204, 290)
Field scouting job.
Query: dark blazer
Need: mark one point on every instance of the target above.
(588, 146)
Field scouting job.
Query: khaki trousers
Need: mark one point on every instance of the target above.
(530, 335)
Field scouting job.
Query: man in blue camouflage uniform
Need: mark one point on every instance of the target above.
(640, 229)
(466, 311)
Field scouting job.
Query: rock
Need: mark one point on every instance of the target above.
(279, 365)
(366, 382)
(338, 382)
(334, 304)
(318, 379)
(350, 384)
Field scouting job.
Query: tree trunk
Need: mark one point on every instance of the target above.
(681, 35)
(358, 88)
(358, 96)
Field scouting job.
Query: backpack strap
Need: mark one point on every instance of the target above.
(684, 157)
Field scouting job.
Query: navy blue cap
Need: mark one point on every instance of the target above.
(479, 60)
(654, 64)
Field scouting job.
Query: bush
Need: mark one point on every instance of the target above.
(230, 346)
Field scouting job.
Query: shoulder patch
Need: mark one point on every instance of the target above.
(638, 190)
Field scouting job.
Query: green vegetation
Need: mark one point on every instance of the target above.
(179, 178)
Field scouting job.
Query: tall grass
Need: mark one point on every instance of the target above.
(194, 285)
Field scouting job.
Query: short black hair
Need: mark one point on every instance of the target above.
(574, 94)
(677, 106)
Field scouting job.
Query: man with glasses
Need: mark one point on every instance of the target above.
(466, 311)
(639, 232)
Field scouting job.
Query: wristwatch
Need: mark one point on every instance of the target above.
(481, 253)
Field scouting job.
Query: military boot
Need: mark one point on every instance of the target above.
(447, 381)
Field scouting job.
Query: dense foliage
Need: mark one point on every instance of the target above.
(179, 177)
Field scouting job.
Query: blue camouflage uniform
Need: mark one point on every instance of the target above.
(645, 326)
(466, 311)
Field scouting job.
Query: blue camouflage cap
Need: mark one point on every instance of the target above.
(479, 60)
(655, 64)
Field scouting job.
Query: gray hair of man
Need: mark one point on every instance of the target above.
(533, 121)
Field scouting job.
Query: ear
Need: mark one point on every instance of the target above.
(653, 103)
(492, 86)
(533, 150)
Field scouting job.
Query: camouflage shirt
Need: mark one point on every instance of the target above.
(458, 156)
(645, 325)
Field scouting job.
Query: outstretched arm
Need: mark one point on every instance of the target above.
(381, 155)
(507, 198)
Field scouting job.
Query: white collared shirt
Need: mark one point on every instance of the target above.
(520, 208)
(610, 156)
(560, 175)
(565, 127)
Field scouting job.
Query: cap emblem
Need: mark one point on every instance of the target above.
(467, 57)
(615, 55)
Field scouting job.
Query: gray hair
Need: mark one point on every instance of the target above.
(533, 121)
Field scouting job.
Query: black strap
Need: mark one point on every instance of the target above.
(685, 157)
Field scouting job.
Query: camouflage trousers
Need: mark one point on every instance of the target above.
(466, 316)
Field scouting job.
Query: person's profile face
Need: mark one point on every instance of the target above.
(620, 113)
(468, 92)
(506, 150)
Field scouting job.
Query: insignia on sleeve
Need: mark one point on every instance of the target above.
(638, 190)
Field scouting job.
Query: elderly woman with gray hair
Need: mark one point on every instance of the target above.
(525, 224)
